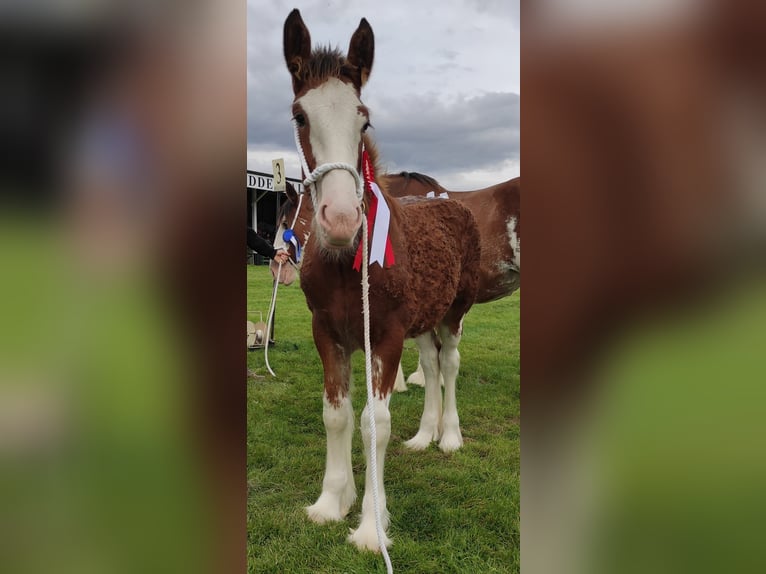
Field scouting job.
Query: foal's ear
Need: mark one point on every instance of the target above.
(297, 47)
(292, 195)
(361, 51)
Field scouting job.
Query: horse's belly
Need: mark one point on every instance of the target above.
(497, 285)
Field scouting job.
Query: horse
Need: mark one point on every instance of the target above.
(497, 210)
(425, 278)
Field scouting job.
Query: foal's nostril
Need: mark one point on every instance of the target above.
(323, 215)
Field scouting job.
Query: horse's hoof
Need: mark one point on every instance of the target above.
(366, 538)
(321, 513)
(417, 379)
(419, 442)
(451, 443)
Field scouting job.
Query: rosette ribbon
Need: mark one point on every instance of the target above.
(290, 237)
(378, 220)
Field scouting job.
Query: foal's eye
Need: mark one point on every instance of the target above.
(300, 119)
(365, 126)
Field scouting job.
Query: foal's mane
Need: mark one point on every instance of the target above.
(382, 182)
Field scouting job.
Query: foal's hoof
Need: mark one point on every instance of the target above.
(420, 441)
(320, 513)
(366, 538)
(417, 378)
(451, 442)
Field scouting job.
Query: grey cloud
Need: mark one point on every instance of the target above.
(422, 134)
(506, 9)
(450, 55)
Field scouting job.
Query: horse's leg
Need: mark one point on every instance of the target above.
(384, 361)
(338, 490)
(430, 422)
(400, 386)
(449, 361)
(418, 378)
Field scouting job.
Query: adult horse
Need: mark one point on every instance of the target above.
(427, 277)
(497, 210)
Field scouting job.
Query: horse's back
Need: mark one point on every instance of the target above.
(405, 184)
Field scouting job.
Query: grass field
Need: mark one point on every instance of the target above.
(449, 513)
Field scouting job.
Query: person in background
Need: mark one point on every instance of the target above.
(263, 247)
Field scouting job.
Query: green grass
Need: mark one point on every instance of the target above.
(449, 513)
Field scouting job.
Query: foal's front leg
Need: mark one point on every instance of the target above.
(385, 359)
(338, 490)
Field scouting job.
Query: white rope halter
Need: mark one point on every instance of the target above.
(321, 170)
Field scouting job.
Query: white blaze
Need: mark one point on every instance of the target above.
(335, 123)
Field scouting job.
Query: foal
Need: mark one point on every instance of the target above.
(427, 277)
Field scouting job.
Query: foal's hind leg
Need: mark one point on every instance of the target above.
(449, 361)
(430, 422)
(418, 378)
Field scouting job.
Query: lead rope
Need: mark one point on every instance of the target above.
(370, 397)
(308, 182)
(273, 304)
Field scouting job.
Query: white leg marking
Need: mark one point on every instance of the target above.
(366, 537)
(449, 359)
(430, 422)
(515, 242)
(417, 378)
(338, 490)
(400, 386)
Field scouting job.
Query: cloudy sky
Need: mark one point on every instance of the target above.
(443, 93)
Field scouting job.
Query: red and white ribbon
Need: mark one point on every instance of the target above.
(378, 220)
(380, 230)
